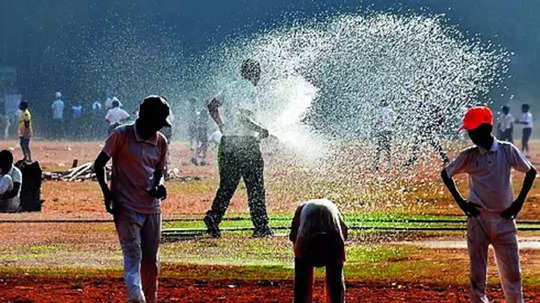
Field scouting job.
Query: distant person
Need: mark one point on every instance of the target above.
(429, 128)
(192, 120)
(138, 153)
(506, 125)
(4, 119)
(96, 106)
(318, 233)
(25, 131)
(490, 207)
(202, 137)
(240, 155)
(57, 108)
(109, 101)
(527, 121)
(10, 183)
(116, 116)
(76, 111)
(385, 127)
(76, 123)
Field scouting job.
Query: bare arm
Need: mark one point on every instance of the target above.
(344, 228)
(213, 110)
(295, 224)
(470, 209)
(101, 175)
(514, 209)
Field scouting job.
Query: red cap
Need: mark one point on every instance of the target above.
(477, 116)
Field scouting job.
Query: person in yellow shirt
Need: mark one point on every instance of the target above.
(25, 130)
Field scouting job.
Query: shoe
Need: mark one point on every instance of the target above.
(211, 227)
(263, 232)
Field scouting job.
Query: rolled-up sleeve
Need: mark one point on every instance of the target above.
(111, 145)
(461, 164)
(518, 160)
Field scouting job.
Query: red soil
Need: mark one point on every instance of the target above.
(31, 289)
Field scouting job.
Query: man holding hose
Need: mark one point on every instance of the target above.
(239, 155)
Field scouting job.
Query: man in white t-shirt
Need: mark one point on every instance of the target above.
(10, 183)
(239, 155)
(506, 125)
(116, 116)
(527, 121)
(57, 108)
(385, 127)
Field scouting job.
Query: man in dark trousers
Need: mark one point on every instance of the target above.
(490, 207)
(240, 155)
(138, 152)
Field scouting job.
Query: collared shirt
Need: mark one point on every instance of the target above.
(387, 119)
(58, 109)
(236, 100)
(116, 115)
(25, 117)
(490, 181)
(527, 118)
(134, 161)
(11, 205)
(318, 217)
(505, 121)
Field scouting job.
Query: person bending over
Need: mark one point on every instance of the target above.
(318, 234)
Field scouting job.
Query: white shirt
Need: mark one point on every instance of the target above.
(13, 203)
(527, 118)
(96, 106)
(387, 119)
(315, 217)
(239, 98)
(215, 137)
(505, 121)
(58, 109)
(116, 115)
(490, 181)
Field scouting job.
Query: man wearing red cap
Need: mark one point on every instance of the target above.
(490, 207)
(138, 153)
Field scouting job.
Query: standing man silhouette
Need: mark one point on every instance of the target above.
(240, 155)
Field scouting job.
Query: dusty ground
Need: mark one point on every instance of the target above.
(38, 290)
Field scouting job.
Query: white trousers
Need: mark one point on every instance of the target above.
(492, 229)
(139, 236)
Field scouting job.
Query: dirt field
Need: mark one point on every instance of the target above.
(28, 289)
(82, 262)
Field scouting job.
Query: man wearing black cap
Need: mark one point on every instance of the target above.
(239, 155)
(138, 152)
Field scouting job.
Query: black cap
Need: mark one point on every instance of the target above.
(154, 107)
